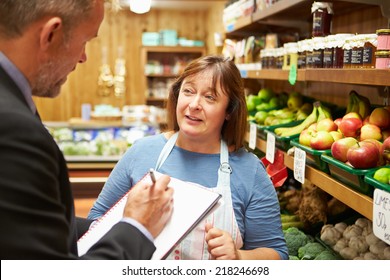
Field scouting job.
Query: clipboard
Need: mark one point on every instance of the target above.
(192, 203)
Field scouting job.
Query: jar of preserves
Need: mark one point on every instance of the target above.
(347, 50)
(317, 55)
(302, 50)
(383, 39)
(279, 57)
(309, 52)
(322, 18)
(382, 59)
(291, 55)
(338, 51)
(357, 46)
(329, 43)
(370, 47)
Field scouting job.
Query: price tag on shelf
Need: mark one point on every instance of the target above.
(299, 165)
(381, 215)
(270, 150)
(252, 136)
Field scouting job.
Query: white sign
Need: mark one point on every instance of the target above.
(252, 136)
(299, 165)
(381, 215)
(270, 150)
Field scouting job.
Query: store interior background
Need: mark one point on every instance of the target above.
(195, 20)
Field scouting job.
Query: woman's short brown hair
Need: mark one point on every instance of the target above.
(228, 77)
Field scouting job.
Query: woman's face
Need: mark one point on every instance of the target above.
(200, 111)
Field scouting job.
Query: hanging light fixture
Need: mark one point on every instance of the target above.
(140, 6)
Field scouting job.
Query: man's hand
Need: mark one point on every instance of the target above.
(220, 244)
(151, 205)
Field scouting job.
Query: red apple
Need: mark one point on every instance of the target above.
(352, 115)
(321, 140)
(340, 148)
(336, 135)
(305, 137)
(337, 121)
(350, 127)
(370, 131)
(326, 124)
(363, 155)
(379, 145)
(380, 117)
(386, 149)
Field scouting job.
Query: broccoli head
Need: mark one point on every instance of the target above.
(310, 251)
(295, 239)
(327, 255)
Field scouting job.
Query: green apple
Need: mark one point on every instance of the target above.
(382, 175)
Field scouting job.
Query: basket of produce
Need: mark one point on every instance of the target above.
(355, 241)
(379, 178)
(302, 246)
(347, 174)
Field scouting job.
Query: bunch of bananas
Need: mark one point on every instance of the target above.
(319, 112)
(358, 104)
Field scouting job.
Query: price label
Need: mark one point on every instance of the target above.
(381, 215)
(270, 150)
(299, 165)
(252, 136)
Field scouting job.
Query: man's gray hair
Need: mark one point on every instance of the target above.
(16, 15)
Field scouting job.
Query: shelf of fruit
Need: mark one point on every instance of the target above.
(340, 152)
(357, 201)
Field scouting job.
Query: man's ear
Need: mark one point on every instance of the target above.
(50, 32)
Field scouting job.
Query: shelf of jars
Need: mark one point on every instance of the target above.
(359, 202)
(375, 77)
(296, 12)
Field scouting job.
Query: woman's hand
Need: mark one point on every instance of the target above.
(220, 244)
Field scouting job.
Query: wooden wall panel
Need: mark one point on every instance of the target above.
(123, 29)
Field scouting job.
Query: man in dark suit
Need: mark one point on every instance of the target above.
(41, 42)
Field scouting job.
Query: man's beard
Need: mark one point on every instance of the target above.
(44, 85)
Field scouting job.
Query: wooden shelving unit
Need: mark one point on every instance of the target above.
(297, 14)
(167, 57)
(374, 77)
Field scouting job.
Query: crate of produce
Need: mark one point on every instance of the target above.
(352, 177)
(282, 142)
(369, 179)
(313, 157)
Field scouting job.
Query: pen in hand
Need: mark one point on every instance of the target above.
(152, 176)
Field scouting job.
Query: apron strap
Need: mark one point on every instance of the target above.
(168, 147)
(224, 169)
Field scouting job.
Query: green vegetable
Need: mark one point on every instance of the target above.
(293, 258)
(296, 224)
(310, 251)
(295, 239)
(285, 218)
(326, 255)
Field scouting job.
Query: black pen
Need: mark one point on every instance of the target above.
(152, 176)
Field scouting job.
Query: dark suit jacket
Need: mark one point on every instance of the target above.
(36, 203)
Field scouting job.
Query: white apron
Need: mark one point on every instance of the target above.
(194, 246)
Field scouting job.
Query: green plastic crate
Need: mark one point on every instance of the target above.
(261, 129)
(352, 177)
(282, 143)
(369, 179)
(313, 157)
